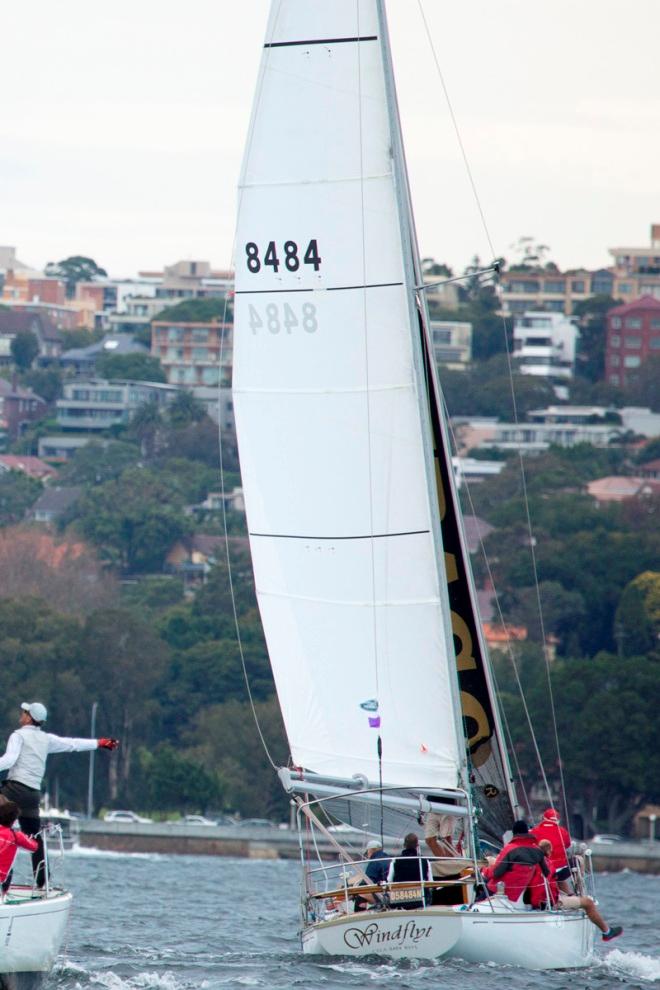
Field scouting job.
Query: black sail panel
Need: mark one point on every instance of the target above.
(489, 771)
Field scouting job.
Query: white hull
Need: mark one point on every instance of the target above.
(31, 935)
(534, 940)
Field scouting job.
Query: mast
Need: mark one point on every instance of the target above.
(474, 693)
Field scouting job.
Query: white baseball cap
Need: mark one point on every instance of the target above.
(36, 710)
(374, 844)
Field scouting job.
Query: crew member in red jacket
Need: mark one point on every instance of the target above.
(550, 829)
(518, 865)
(11, 841)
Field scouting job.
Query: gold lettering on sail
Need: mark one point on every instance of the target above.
(478, 742)
(460, 629)
(451, 567)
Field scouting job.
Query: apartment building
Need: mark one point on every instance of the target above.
(193, 354)
(633, 335)
(452, 343)
(544, 344)
(191, 280)
(97, 405)
(555, 291)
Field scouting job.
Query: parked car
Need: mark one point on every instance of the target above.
(128, 817)
(607, 839)
(195, 820)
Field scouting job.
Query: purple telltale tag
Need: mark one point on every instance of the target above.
(374, 721)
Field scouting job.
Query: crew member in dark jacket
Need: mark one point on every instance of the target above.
(410, 867)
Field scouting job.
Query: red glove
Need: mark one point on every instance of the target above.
(108, 743)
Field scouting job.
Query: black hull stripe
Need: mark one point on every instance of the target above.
(365, 536)
(322, 41)
(333, 288)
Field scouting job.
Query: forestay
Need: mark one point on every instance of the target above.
(329, 419)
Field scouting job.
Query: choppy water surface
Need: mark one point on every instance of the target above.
(145, 922)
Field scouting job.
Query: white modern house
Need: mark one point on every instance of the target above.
(544, 344)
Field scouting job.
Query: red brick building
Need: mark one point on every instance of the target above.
(633, 335)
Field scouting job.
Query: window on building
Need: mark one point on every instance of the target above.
(633, 323)
(555, 305)
(615, 340)
(210, 376)
(175, 334)
(632, 361)
(200, 353)
(625, 288)
(524, 285)
(442, 336)
(632, 342)
(554, 285)
(199, 335)
(655, 324)
(615, 322)
(615, 360)
(614, 380)
(654, 343)
(189, 375)
(577, 285)
(175, 353)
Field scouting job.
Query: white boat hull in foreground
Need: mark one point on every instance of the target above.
(533, 939)
(32, 930)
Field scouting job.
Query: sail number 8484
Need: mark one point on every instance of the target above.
(290, 257)
(286, 318)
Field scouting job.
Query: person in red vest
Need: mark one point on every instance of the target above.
(550, 829)
(11, 841)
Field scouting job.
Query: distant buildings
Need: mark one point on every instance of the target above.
(452, 343)
(48, 336)
(99, 405)
(633, 335)
(193, 353)
(544, 344)
(18, 408)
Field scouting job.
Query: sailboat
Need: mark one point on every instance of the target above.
(33, 925)
(360, 562)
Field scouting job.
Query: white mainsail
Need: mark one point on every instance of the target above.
(328, 413)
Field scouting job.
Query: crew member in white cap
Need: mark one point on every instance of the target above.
(25, 759)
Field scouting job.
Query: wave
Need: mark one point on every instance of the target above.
(83, 851)
(634, 964)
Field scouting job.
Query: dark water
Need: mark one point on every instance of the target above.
(145, 922)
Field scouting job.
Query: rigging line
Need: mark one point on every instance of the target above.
(509, 649)
(232, 595)
(486, 231)
(365, 326)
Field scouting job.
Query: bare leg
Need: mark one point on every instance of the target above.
(593, 914)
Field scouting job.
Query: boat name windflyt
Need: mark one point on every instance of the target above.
(357, 938)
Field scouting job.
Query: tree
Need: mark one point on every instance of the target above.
(637, 622)
(185, 409)
(224, 738)
(99, 461)
(124, 661)
(130, 367)
(145, 427)
(74, 269)
(174, 780)
(46, 382)
(17, 493)
(24, 349)
(197, 311)
(64, 572)
(439, 269)
(530, 254)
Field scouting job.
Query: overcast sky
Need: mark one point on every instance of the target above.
(122, 126)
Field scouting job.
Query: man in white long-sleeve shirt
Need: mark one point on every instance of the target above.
(25, 759)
